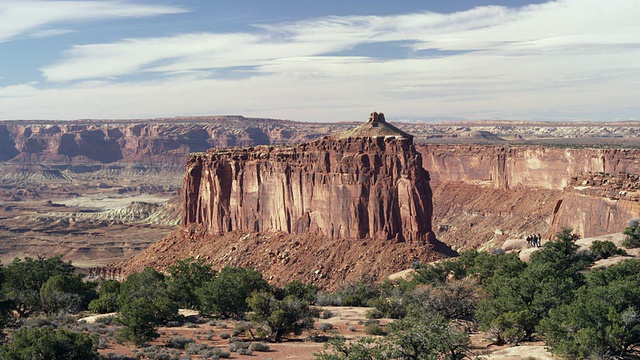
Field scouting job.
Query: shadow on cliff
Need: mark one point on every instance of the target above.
(444, 249)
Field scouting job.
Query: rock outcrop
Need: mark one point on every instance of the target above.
(369, 186)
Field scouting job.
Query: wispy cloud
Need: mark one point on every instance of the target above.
(571, 56)
(41, 17)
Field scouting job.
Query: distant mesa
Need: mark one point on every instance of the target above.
(480, 135)
(376, 126)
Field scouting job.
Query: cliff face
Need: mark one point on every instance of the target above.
(487, 194)
(352, 188)
(523, 166)
(167, 142)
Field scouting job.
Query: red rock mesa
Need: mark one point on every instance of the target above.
(364, 183)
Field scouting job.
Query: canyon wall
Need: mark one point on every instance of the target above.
(151, 142)
(353, 188)
(508, 167)
(497, 192)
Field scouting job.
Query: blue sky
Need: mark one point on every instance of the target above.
(322, 60)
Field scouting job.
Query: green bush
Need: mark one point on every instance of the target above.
(227, 294)
(325, 326)
(374, 328)
(23, 280)
(185, 278)
(46, 343)
(66, 293)
(179, 342)
(418, 336)
(107, 300)
(632, 232)
(140, 321)
(277, 318)
(259, 346)
(604, 249)
(603, 320)
(358, 293)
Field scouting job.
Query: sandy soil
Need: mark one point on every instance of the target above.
(346, 321)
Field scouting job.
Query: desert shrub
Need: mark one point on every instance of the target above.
(242, 327)
(604, 249)
(107, 300)
(190, 325)
(102, 342)
(374, 313)
(222, 353)
(632, 232)
(245, 352)
(306, 292)
(227, 294)
(178, 342)
(37, 322)
(327, 299)
(277, 318)
(174, 323)
(419, 336)
(603, 320)
(106, 320)
(23, 280)
(139, 318)
(326, 314)
(162, 356)
(325, 326)
(453, 299)
(65, 293)
(150, 351)
(351, 328)
(195, 348)
(259, 346)
(393, 307)
(235, 346)
(185, 278)
(359, 293)
(47, 343)
(224, 335)
(374, 328)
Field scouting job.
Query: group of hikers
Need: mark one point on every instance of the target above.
(534, 240)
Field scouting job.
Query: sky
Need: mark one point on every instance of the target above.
(333, 60)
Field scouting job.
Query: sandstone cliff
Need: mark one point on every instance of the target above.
(165, 142)
(509, 167)
(354, 188)
(485, 194)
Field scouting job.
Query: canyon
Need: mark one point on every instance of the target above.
(101, 191)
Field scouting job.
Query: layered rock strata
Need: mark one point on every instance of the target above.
(348, 188)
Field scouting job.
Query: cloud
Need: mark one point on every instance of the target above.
(570, 57)
(39, 17)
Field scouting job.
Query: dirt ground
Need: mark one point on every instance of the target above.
(346, 321)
